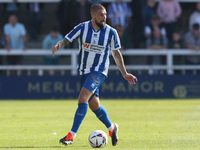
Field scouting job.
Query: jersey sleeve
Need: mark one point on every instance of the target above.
(75, 33)
(115, 41)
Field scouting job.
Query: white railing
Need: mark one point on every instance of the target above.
(73, 53)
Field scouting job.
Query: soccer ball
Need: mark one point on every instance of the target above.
(98, 139)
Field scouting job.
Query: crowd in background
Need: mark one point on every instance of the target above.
(140, 24)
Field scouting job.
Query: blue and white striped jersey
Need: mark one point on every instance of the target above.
(94, 46)
(119, 14)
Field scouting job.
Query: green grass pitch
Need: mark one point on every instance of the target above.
(143, 124)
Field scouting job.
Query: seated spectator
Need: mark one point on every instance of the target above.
(155, 23)
(195, 16)
(49, 41)
(192, 41)
(16, 39)
(177, 42)
(119, 13)
(169, 11)
(156, 42)
(148, 12)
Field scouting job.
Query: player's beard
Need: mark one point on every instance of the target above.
(100, 24)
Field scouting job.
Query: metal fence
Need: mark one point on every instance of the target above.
(169, 67)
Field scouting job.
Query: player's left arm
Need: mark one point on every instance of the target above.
(120, 63)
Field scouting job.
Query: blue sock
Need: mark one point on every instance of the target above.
(79, 116)
(103, 116)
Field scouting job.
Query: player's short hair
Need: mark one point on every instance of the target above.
(95, 7)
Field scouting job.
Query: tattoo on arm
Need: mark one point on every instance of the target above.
(62, 43)
(119, 61)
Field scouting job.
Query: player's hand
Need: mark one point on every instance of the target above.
(55, 48)
(130, 78)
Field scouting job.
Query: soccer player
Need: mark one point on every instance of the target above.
(96, 39)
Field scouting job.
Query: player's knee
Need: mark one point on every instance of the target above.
(94, 106)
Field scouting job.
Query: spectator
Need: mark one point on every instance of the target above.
(156, 42)
(15, 39)
(192, 41)
(192, 38)
(35, 18)
(148, 11)
(49, 41)
(154, 24)
(195, 17)
(177, 42)
(119, 13)
(169, 11)
(64, 15)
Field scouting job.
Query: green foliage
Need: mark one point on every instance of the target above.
(143, 124)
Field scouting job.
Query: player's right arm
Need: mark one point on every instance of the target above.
(60, 44)
(68, 38)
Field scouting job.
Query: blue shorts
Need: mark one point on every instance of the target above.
(92, 82)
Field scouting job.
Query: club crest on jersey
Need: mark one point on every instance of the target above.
(86, 45)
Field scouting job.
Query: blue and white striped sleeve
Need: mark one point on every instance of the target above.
(115, 41)
(75, 33)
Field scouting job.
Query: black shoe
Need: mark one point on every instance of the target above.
(67, 140)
